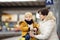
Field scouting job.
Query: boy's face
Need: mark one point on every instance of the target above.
(28, 17)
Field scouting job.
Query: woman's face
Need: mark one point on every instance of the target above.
(42, 17)
(28, 17)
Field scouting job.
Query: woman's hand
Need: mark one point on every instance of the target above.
(31, 34)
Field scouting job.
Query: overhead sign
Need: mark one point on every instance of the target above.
(49, 2)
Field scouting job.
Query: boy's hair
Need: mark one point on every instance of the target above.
(28, 13)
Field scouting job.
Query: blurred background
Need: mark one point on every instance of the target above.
(11, 12)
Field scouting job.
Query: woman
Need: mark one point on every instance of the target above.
(47, 26)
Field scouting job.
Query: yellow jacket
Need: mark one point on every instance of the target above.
(24, 27)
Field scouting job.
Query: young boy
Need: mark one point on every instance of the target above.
(28, 25)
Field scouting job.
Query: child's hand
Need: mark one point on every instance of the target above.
(35, 29)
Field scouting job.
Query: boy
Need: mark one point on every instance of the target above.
(28, 25)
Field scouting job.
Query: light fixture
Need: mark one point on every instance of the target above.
(16, 0)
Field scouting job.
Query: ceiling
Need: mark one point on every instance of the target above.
(23, 4)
